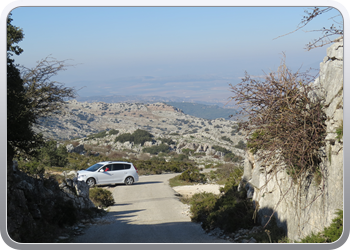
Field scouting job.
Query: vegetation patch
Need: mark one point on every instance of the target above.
(192, 175)
(101, 197)
(329, 234)
(229, 212)
(164, 148)
(138, 137)
(339, 132)
(280, 112)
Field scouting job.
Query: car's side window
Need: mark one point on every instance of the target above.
(127, 166)
(107, 168)
(118, 167)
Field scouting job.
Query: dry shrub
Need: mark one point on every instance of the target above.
(144, 157)
(283, 119)
(117, 155)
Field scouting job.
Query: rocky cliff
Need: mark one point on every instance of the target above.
(308, 206)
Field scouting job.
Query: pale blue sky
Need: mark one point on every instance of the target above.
(168, 51)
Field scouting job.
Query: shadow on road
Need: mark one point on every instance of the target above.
(147, 182)
(123, 228)
(136, 184)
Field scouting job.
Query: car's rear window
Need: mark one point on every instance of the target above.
(127, 166)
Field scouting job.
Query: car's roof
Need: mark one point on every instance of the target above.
(106, 162)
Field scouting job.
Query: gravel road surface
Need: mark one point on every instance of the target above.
(146, 212)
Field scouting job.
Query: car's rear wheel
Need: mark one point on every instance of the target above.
(91, 182)
(129, 180)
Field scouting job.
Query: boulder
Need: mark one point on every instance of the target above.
(78, 149)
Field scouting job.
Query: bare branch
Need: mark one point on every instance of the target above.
(45, 95)
(326, 32)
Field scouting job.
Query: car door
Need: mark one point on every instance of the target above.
(106, 175)
(118, 173)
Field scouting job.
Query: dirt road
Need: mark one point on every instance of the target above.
(147, 212)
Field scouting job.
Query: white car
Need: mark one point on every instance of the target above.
(109, 172)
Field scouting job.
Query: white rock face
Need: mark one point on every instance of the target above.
(312, 207)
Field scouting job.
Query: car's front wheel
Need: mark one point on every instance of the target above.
(129, 180)
(91, 182)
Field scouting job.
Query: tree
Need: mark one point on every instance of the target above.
(46, 97)
(52, 155)
(20, 135)
(31, 94)
(14, 36)
(335, 29)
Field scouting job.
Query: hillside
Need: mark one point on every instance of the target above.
(203, 111)
(83, 121)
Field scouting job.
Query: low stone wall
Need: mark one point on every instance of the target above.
(37, 209)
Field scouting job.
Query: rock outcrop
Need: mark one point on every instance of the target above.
(37, 209)
(310, 206)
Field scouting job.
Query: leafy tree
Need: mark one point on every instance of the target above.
(53, 156)
(20, 135)
(14, 36)
(30, 95)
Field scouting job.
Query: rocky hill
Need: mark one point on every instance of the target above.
(79, 119)
(82, 120)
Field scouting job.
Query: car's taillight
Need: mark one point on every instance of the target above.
(136, 170)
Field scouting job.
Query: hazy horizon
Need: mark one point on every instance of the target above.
(188, 52)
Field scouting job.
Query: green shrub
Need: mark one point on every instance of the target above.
(329, 234)
(113, 132)
(181, 157)
(157, 149)
(339, 132)
(124, 138)
(225, 138)
(232, 157)
(138, 137)
(100, 134)
(271, 234)
(231, 174)
(241, 145)
(168, 141)
(158, 167)
(187, 151)
(255, 142)
(221, 149)
(192, 175)
(32, 168)
(101, 197)
(229, 212)
(202, 204)
(50, 155)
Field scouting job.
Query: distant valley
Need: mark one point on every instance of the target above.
(204, 111)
